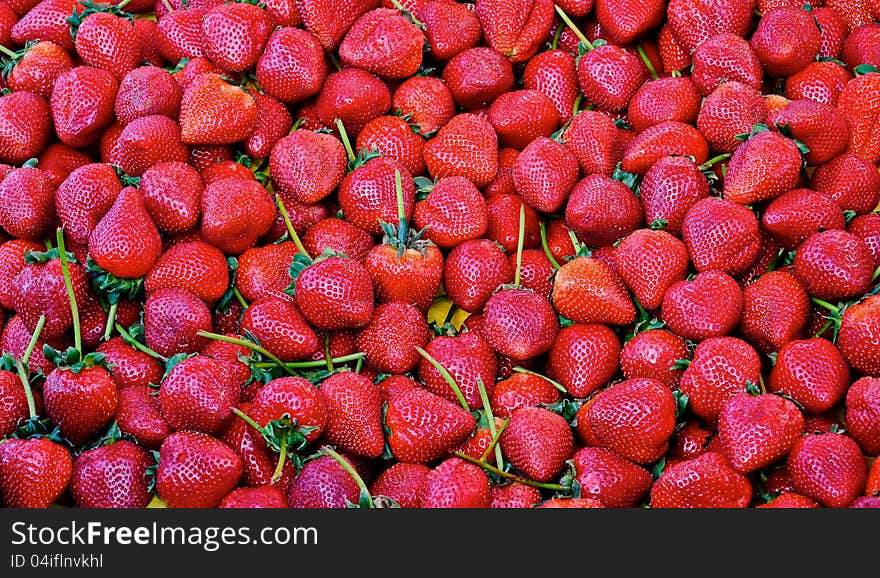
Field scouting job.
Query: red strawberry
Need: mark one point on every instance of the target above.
(503, 226)
(832, 29)
(393, 137)
(601, 210)
(80, 401)
(873, 486)
(196, 470)
(860, 47)
(146, 32)
(595, 141)
(649, 262)
(667, 138)
(84, 198)
(858, 102)
(477, 76)
(519, 323)
(863, 413)
(784, 58)
(364, 45)
(537, 442)
(298, 398)
(25, 126)
(307, 165)
(722, 368)
(674, 56)
(179, 35)
(790, 500)
(653, 354)
(669, 189)
(367, 195)
(609, 76)
(259, 497)
(515, 29)
(775, 310)
(59, 160)
(235, 34)
(426, 101)
(329, 21)
(723, 58)
(15, 339)
(674, 98)
(212, 111)
(355, 408)
(694, 22)
(389, 341)
(39, 289)
(264, 270)
(13, 402)
(757, 430)
(394, 384)
(26, 203)
(571, 503)
(834, 265)
(609, 478)
(468, 358)
(706, 481)
(12, 260)
(194, 266)
(82, 104)
(819, 126)
(467, 146)
(33, 472)
(106, 40)
(851, 181)
(797, 214)
(813, 372)
(125, 242)
(587, 290)
(172, 320)
(514, 495)
(423, 427)
(473, 270)
(130, 367)
(235, 213)
(730, 110)
(323, 483)
(171, 194)
(858, 332)
(820, 81)
(520, 390)
(634, 418)
(354, 97)
(258, 460)
(536, 271)
(273, 123)
(766, 166)
(335, 293)
(450, 28)
(624, 22)
(454, 211)
(521, 116)
(113, 476)
(47, 20)
(544, 174)
(338, 235)
(721, 235)
(199, 394)
(280, 328)
(292, 66)
(38, 68)
(554, 73)
(828, 468)
(402, 483)
(867, 228)
(146, 141)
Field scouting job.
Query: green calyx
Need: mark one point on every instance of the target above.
(282, 435)
(39, 257)
(72, 359)
(76, 19)
(111, 286)
(864, 69)
(230, 293)
(124, 178)
(302, 261)
(11, 58)
(629, 179)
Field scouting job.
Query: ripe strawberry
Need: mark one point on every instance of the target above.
(521, 116)
(667, 138)
(775, 310)
(264, 270)
(329, 21)
(609, 478)
(280, 328)
(171, 192)
(199, 394)
(235, 34)
(355, 408)
(519, 323)
(354, 97)
(449, 27)
(866, 228)
(426, 101)
(518, 391)
(25, 126)
(335, 293)
(15, 339)
(812, 372)
(503, 226)
(292, 66)
(235, 213)
(39, 289)
(571, 503)
(258, 497)
(767, 165)
(196, 470)
(780, 58)
(721, 235)
(82, 104)
(601, 210)
(38, 68)
(851, 181)
(595, 141)
(790, 500)
(858, 102)
(111, 476)
(669, 189)
(730, 110)
(130, 367)
(694, 22)
(623, 22)
(13, 403)
(834, 265)
(33, 472)
(649, 262)
(402, 483)
(821, 81)
(179, 35)
(537, 442)
(258, 460)
(106, 40)
(609, 76)
(673, 55)
(863, 414)
(674, 98)
(194, 266)
(273, 123)
(84, 198)
(47, 20)
(797, 214)
(323, 483)
(706, 481)
(872, 488)
(515, 29)
(828, 468)
(146, 32)
(468, 358)
(307, 165)
(832, 29)
(125, 242)
(587, 290)
(554, 74)
(514, 495)
(12, 260)
(302, 401)
(26, 203)
(455, 483)
(331, 233)
(634, 418)
(860, 47)
(723, 58)
(757, 430)
(819, 126)
(212, 111)
(423, 427)
(544, 174)
(394, 384)
(172, 320)
(453, 212)
(722, 368)
(364, 45)
(467, 146)
(393, 137)
(477, 76)
(389, 341)
(473, 270)
(536, 271)
(146, 141)
(81, 399)
(59, 160)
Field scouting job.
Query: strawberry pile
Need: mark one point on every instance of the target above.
(426, 253)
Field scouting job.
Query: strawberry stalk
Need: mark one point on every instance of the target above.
(137, 344)
(876, 275)
(291, 232)
(28, 392)
(327, 351)
(403, 227)
(8, 52)
(365, 500)
(111, 320)
(554, 383)
(546, 247)
(447, 377)
(519, 244)
(647, 61)
(168, 5)
(513, 477)
(715, 160)
(571, 25)
(495, 437)
(240, 298)
(68, 285)
(279, 435)
(487, 407)
(312, 364)
(556, 37)
(407, 14)
(346, 142)
(826, 305)
(41, 322)
(252, 346)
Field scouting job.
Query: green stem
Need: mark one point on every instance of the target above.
(345, 142)
(245, 343)
(137, 344)
(327, 351)
(248, 420)
(512, 477)
(519, 243)
(556, 38)
(676, 74)
(68, 285)
(28, 393)
(447, 377)
(576, 243)
(328, 451)
(487, 407)
(826, 305)
(555, 384)
(111, 320)
(494, 443)
(403, 227)
(647, 61)
(311, 364)
(334, 61)
(8, 52)
(409, 14)
(546, 247)
(359, 366)
(714, 160)
(875, 275)
(577, 104)
(574, 28)
(824, 328)
(123, 4)
(41, 322)
(239, 297)
(291, 232)
(282, 458)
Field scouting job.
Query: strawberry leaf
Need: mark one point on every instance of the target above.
(658, 467)
(681, 403)
(297, 266)
(566, 408)
(111, 286)
(38, 257)
(629, 179)
(223, 304)
(150, 474)
(864, 69)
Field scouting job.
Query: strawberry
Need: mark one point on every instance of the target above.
(323, 483)
(757, 430)
(329, 21)
(858, 102)
(797, 214)
(858, 331)
(722, 368)
(259, 497)
(851, 181)
(821, 81)
(423, 427)
(601, 210)
(653, 354)
(125, 242)
(514, 495)
(198, 394)
(673, 55)
(521, 116)
(146, 32)
(280, 327)
(146, 141)
(13, 403)
(834, 265)
(775, 310)
(292, 66)
(259, 463)
(609, 478)
(47, 20)
(173, 319)
(402, 483)
(515, 29)
(730, 110)
(667, 138)
(354, 97)
(106, 39)
(554, 73)
(84, 198)
(171, 193)
(860, 47)
(368, 197)
(863, 413)
(634, 418)
(503, 223)
(821, 127)
(337, 235)
(16, 338)
(26, 203)
(833, 29)
(307, 165)
(426, 101)
(335, 293)
(767, 165)
(780, 58)
(450, 28)
(544, 174)
(872, 488)
(82, 104)
(473, 270)
(234, 35)
(693, 22)
(36, 68)
(609, 76)
(649, 262)
(706, 481)
(235, 213)
(33, 472)
(194, 266)
(394, 384)
(477, 76)
(518, 391)
(669, 189)
(302, 401)
(12, 260)
(467, 146)
(395, 138)
(212, 111)
(179, 35)
(813, 372)
(723, 58)
(587, 290)
(455, 483)
(571, 503)
(264, 270)
(623, 22)
(196, 470)
(364, 45)
(828, 468)
(355, 408)
(467, 358)
(453, 212)
(130, 367)
(536, 271)
(790, 500)
(59, 160)
(674, 98)
(389, 341)
(25, 126)
(867, 228)
(537, 442)
(111, 476)
(39, 289)
(595, 141)
(273, 123)
(519, 323)
(721, 235)
(80, 399)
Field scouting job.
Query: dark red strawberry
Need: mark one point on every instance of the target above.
(450, 28)
(587, 290)
(729, 111)
(106, 39)
(790, 500)
(130, 367)
(584, 358)
(649, 262)
(595, 141)
(337, 235)
(335, 293)
(544, 174)
(354, 405)
(368, 196)
(81, 399)
(426, 101)
(307, 165)
(521, 390)
(196, 470)
(858, 102)
(467, 146)
(354, 97)
(781, 58)
(84, 198)
(125, 242)
(554, 73)
(146, 141)
(821, 127)
(797, 214)
(393, 137)
(859, 329)
(33, 472)
(25, 126)
(601, 210)
(757, 430)
(675, 57)
(834, 265)
(477, 76)
(851, 181)
(292, 66)
(609, 76)
(537, 442)
(171, 193)
(473, 271)
(235, 213)
(323, 483)
(514, 495)
(812, 372)
(279, 327)
(402, 483)
(674, 98)
(389, 341)
(38, 68)
(82, 104)
(609, 478)
(775, 310)
(364, 45)
(39, 289)
(515, 29)
(623, 22)
(723, 58)
(329, 21)
(828, 468)
(863, 414)
(179, 34)
(199, 394)
(194, 266)
(467, 358)
(867, 228)
(654, 354)
(667, 138)
(721, 235)
(423, 427)
(264, 270)
(13, 402)
(722, 368)
(669, 189)
(27, 203)
(173, 319)
(12, 260)
(112, 476)
(706, 481)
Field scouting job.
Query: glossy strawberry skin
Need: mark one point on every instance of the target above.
(234, 35)
(664, 99)
(722, 367)
(601, 210)
(125, 242)
(728, 111)
(544, 174)
(537, 442)
(426, 100)
(296, 397)
(521, 116)
(335, 293)
(111, 476)
(858, 102)
(389, 341)
(813, 372)
(666, 138)
(607, 477)
(473, 271)
(353, 96)
(721, 235)
(33, 472)
(37, 70)
(196, 470)
(708, 306)
(775, 310)
(259, 497)
(39, 289)
(402, 483)
(819, 81)
(706, 481)
(519, 323)
(329, 21)
(834, 265)
(468, 358)
(649, 262)
(292, 66)
(521, 390)
(587, 290)
(467, 146)
(212, 111)
(609, 76)
(280, 327)
(455, 211)
(194, 266)
(455, 483)
(583, 358)
(235, 213)
(80, 403)
(354, 405)
(755, 431)
(363, 45)
(172, 320)
(82, 104)
(851, 181)
(797, 214)
(828, 468)
(307, 165)
(13, 402)
(595, 140)
(423, 427)
(863, 413)
(554, 73)
(198, 394)
(515, 29)
(26, 125)
(450, 28)
(725, 56)
(26, 203)
(766, 166)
